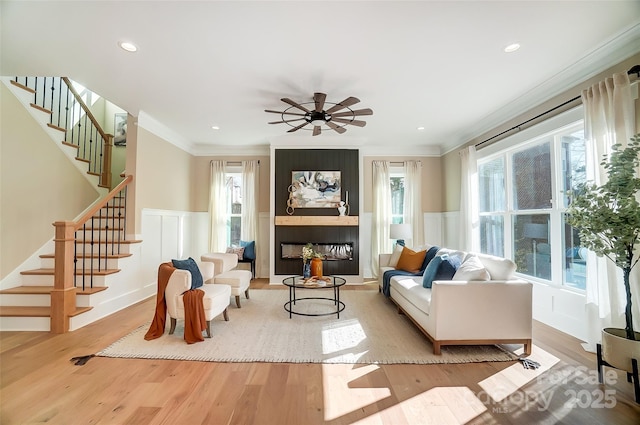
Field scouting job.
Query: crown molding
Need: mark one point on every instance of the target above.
(150, 124)
(617, 49)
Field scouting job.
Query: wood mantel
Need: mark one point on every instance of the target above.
(323, 220)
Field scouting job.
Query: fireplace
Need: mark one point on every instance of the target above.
(329, 251)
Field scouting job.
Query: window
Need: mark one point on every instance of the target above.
(523, 198)
(234, 208)
(397, 195)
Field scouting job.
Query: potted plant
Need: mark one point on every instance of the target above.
(608, 221)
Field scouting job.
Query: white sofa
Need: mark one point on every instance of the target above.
(467, 312)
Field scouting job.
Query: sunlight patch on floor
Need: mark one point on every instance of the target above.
(337, 337)
(503, 384)
(438, 406)
(340, 398)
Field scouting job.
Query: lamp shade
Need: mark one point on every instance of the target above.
(400, 231)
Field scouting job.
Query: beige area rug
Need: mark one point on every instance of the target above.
(368, 331)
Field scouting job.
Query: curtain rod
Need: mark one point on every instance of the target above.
(232, 163)
(634, 70)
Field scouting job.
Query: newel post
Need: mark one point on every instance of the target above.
(106, 162)
(63, 295)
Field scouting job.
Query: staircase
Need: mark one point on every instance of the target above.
(86, 254)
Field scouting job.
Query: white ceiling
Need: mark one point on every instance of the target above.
(439, 65)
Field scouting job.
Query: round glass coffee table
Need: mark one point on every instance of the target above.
(325, 282)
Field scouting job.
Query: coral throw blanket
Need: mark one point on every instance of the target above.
(195, 321)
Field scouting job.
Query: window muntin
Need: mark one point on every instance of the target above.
(397, 198)
(234, 207)
(529, 224)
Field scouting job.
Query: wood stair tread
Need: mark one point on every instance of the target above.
(50, 272)
(23, 87)
(20, 311)
(25, 311)
(43, 290)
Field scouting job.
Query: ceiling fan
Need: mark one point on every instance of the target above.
(317, 116)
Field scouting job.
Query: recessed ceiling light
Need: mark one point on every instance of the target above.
(129, 47)
(511, 48)
(420, 128)
(215, 127)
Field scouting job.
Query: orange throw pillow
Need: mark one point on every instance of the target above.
(410, 261)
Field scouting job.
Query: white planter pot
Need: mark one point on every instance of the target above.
(617, 350)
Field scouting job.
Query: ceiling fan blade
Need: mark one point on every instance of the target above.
(294, 104)
(285, 121)
(319, 99)
(344, 104)
(354, 113)
(297, 128)
(357, 123)
(336, 127)
(284, 112)
(316, 130)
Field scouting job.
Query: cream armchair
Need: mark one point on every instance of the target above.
(216, 297)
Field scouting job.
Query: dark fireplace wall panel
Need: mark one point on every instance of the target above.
(343, 160)
(317, 234)
(347, 162)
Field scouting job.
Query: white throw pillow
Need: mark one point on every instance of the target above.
(393, 261)
(471, 269)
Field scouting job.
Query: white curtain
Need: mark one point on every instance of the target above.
(380, 242)
(217, 208)
(413, 201)
(249, 227)
(469, 219)
(609, 119)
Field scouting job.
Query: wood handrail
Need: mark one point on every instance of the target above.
(87, 216)
(85, 107)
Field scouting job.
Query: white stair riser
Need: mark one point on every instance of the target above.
(32, 300)
(112, 263)
(109, 235)
(10, 323)
(102, 247)
(39, 280)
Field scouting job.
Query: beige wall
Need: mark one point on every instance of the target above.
(201, 179)
(431, 181)
(38, 185)
(451, 161)
(162, 175)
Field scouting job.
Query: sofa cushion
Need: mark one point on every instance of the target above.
(430, 272)
(499, 268)
(190, 265)
(471, 269)
(410, 260)
(431, 253)
(236, 250)
(397, 251)
(249, 252)
(409, 287)
(448, 267)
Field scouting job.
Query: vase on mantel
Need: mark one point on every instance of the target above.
(306, 269)
(316, 267)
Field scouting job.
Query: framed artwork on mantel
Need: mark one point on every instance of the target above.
(315, 189)
(120, 129)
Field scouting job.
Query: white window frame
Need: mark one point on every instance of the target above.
(569, 121)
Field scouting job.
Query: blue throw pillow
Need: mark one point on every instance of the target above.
(190, 264)
(430, 272)
(249, 250)
(429, 256)
(448, 267)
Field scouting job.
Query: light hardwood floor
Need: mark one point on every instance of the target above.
(40, 385)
